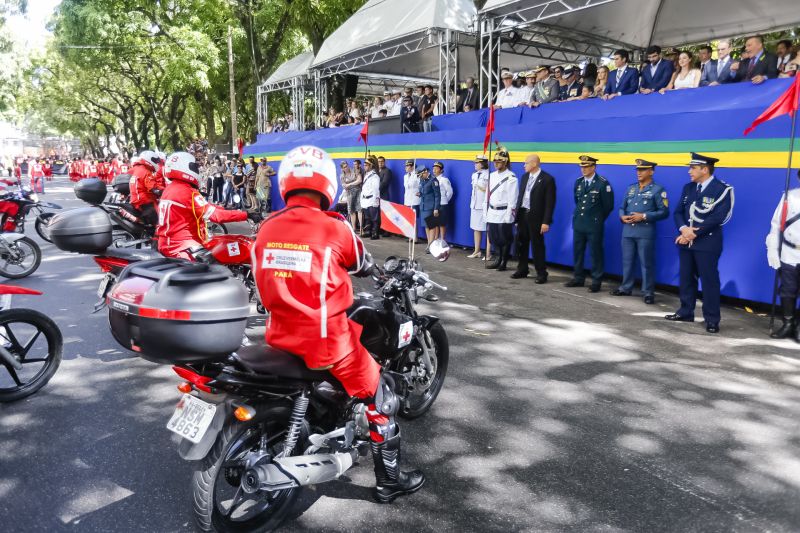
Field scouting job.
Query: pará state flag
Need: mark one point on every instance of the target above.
(397, 218)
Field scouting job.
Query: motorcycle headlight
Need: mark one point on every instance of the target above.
(34, 197)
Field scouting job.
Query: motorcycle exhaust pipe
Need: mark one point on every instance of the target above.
(297, 471)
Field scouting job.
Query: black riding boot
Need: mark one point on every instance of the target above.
(390, 481)
(495, 263)
(505, 252)
(787, 328)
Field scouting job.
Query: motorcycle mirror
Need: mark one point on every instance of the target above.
(440, 249)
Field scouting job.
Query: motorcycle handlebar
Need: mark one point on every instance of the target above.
(419, 276)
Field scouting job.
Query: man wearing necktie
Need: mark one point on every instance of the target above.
(760, 65)
(719, 70)
(594, 201)
(706, 205)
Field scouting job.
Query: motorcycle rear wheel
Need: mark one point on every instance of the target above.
(41, 226)
(420, 403)
(222, 469)
(20, 267)
(35, 325)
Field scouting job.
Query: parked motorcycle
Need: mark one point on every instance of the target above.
(26, 202)
(20, 256)
(30, 347)
(257, 424)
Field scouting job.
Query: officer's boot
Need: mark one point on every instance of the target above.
(497, 260)
(390, 481)
(787, 328)
(505, 252)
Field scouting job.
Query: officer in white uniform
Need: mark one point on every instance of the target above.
(477, 202)
(508, 96)
(501, 207)
(526, 92)
(371, 197)
(411, 196)
(786, 217)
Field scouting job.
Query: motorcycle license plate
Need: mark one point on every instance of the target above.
(107, 280)
(191, 418)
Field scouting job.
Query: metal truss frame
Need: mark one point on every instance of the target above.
(297, 87)
(448, 70)
(542, 10)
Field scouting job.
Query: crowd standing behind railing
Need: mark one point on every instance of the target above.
(659, 73)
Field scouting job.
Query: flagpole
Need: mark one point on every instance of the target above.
(784, 210)
(489, 191)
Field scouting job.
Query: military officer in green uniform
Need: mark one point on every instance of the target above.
(645, 203)
(594, 201)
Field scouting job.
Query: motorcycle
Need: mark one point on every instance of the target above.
(20, 256)
(26, 202)
(259, 425)
(30, 347)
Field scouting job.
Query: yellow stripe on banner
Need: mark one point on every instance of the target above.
(680, 159)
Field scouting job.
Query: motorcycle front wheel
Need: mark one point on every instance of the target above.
(220, 504)
(41, 226)
(427, 389)
(21, 258)
(35, 341)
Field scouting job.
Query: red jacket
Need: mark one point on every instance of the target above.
(182, 216)
(142, 183)
(301, 259)
(37, 170)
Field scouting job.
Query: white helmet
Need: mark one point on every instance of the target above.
(308, 168)
(148, 158)
(182, 166)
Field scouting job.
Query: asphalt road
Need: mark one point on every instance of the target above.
(562, 411)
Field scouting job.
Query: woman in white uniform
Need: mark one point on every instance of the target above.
(477, 203)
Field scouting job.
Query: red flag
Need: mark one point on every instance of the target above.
(397, 218)
(240, 146)
(489, 129)
(364, 135)
(786, 103)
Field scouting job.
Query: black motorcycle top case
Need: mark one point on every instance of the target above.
(86, 230)
(92, 191)
(172, 311)
(122, 184)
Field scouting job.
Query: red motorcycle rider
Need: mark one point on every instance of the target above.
(183, 212)
(143, 184)
(302, 259)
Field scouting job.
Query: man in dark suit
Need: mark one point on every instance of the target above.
(468, 96)
(535, 204)
(657, 73)
(759, 66)
(706, 205)
(718, 71)
(624, 80)
(409, 116)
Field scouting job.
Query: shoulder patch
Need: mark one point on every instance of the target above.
(608, 188)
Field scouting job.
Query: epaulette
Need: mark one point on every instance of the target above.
(601, 178)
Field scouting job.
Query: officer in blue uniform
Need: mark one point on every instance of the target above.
(594, 201)
(706, 204)
(429, 201)
(645, 203)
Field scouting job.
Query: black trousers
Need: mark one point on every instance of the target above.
(217, 186)
(790, 280)
(594, 239)
(529, 234)
(501, 236)
(372, 220)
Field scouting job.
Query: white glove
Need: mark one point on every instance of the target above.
(773, 258)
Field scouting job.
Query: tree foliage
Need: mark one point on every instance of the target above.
(155, 73)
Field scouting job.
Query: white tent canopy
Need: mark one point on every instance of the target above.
(639, 23)
(395, 36)
(294, 68)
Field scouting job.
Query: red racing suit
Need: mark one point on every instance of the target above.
(8, 209)
(301, 260)
(182, 216)
(142, 183)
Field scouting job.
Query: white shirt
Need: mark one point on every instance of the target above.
(502, 197)
(411, 187)
(526, 198)
(480, 181)
(507, 98)
(445, 189)
(376, 112)
(705, 184)
(395, 108)
(654, 68)
(526, 94)
(371, 190)
(789, 254)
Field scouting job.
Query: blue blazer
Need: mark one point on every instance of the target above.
(709, 232)
(629, 84)
(710, 74)
(662, 78)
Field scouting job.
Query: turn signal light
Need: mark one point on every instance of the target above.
(185, 387)
(243, 413)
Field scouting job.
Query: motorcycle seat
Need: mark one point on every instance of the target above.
(264, 359)
(132, 255)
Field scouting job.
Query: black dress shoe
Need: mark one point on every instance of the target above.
(594, 288)
(501, 267)
(540, 280)
(712, 328)
(618, 292)
(518, 275)
(649, 300)
(574, 283)
(675, 317)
